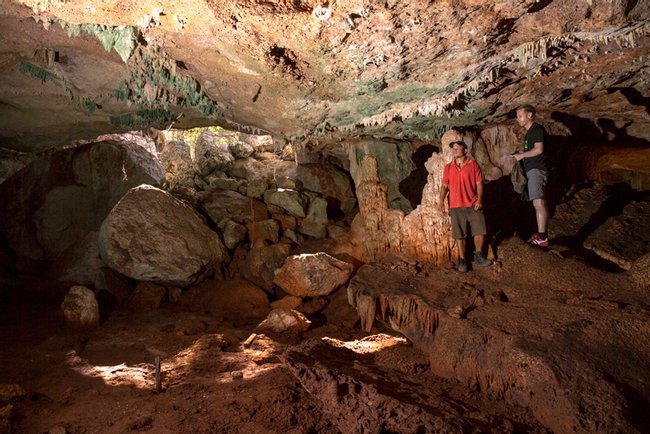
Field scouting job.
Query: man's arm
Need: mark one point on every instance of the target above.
(444, 189)
(537, 150)
(479, 200)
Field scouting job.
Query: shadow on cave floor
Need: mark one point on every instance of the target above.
(507, 215)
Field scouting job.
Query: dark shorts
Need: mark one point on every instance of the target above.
(461, 218)
(536, 184)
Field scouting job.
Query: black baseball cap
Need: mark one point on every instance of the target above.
(458, 142)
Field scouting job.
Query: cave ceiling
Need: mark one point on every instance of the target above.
(320, 71)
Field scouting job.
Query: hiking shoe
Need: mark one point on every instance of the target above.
(462, 266)
(538, 241)
(481, 259)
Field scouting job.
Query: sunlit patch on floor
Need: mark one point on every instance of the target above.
(140, 375)
(369, 344)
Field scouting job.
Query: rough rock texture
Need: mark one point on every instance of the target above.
(150, 235)
(311, 275)
(262, 261)
(282, 320)
(381, 399)
(584, 370)
(579, 206)
(329, 181)
(237, 300)
(80, 263)
(345, 68)
(640, 271)
(146, 296)
(176, 160)
(424, 234)
(211, 153)
(291, 201)
(315, 222)
(624, 238)
(233, 234)
(222, 204)
(80, 307)
(59, 198)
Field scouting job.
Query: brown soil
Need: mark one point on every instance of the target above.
(334, 378)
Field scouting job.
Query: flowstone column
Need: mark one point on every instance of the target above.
(422, 235)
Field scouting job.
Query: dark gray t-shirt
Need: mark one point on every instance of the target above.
(535, 134)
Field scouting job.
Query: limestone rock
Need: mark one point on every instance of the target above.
(241, 149)
(290, 200)
(281, 320)
(311, 275)
(11, 391)
(219, 181)
(379, 230)
(336, 230)
(286, 221)
(315, 222)
(262, 261)
(573, 213)
(330, 182)
(80, 307)
(393, 165)
(146, 297)
(220, 204)
(240, 298)
(640, 272)
(55, 201)
(211, 153)
(292, 236)
(256, 188)
(233, 234)
(80, 263)
(315, 305)
(177, 163)
(233, 299)
(109, 280)
(287, 302)
(624, 238)
(265, 230)
(150, 235)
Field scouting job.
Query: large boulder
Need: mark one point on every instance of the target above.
(212, 152)
(291, 201)
(58, 199)
(227, 204)
(262, 261)
(80, 263)
(315, 223)
(329, 181)
(176, 160)
(624, 238)
(234, 299)
(150, 235)
(312, 275)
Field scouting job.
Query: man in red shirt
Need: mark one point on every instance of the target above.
(463, 180)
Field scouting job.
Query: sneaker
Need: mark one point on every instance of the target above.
(462, 266)
(481, 259)
(538, 241)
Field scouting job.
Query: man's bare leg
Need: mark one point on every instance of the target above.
(460, 248)
(478, 243)
(541, 214)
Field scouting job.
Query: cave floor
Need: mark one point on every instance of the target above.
(335, 377)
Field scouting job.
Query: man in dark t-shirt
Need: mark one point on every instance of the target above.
(534, 161)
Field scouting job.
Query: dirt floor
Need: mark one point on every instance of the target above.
(217, 377)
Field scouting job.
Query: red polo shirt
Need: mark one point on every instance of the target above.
(462, 183)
